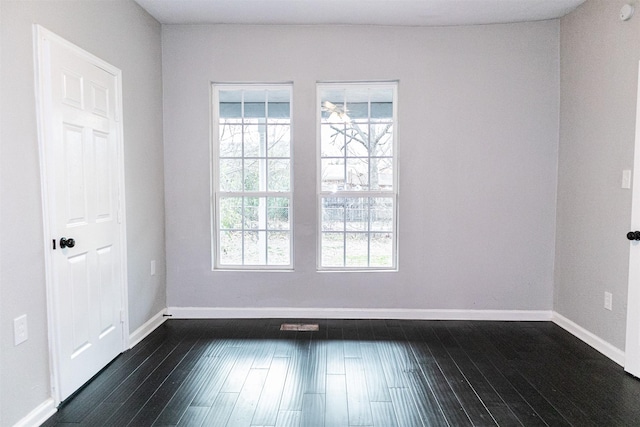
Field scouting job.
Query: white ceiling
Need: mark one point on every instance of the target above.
(356, 12)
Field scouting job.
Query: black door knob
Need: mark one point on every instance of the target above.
(633, 235)
(67, 243)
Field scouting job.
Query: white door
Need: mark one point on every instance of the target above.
(81, 171)
(632, 345)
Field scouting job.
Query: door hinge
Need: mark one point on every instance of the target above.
(119, 215)
(121, 316)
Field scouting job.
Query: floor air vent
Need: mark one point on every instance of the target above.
(299, 327)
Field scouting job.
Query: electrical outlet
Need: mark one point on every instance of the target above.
(20, 332)
(153, 267)
(608, 301)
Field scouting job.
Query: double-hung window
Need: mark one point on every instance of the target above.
(357, 176)
(252, 170)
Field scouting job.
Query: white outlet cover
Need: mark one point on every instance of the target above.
(626, 178)
(608, 301)
(20, 332)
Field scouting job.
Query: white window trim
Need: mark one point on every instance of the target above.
(215, 194)
(320, 193)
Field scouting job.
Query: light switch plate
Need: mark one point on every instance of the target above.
(626, 178)
(20, 333)
(608, 300)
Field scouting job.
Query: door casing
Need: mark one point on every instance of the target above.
(42, 37)
(632, 342)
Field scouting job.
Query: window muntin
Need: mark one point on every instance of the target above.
(357, 182)
(252, 176)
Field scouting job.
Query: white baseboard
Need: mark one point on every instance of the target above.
(579, 332)
(593, 340)
(149, 326)
(39, 415)
(354, 313)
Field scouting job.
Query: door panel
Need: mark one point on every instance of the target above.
(103, 187)
(73, 180)
(79, 303)
(108, 291)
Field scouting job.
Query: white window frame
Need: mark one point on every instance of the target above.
(320, 86)
(216, 193)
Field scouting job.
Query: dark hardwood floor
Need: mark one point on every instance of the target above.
(357, 373)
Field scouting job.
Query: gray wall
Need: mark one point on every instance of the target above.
(478, 140)
(479, 111)
(599, 75)
(121, 33)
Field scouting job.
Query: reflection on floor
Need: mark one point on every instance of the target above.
(386, 373)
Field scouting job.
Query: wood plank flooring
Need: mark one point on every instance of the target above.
(387, 373)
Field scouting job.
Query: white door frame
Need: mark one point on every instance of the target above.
(42, 39)
(632, 345)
